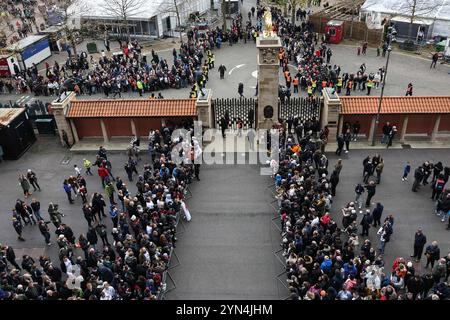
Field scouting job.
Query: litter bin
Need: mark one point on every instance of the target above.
(92, 47)
(45, 126)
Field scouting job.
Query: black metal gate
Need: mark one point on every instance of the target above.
(237, 108)
(302, 108)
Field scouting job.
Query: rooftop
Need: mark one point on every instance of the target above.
(25, 42)
(132, 108)
(392, 105)
(8, 114)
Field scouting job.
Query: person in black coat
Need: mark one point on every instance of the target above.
(54, 273)
(433, 253)
(11, 256)
(91, 236)
(102, 232)
(365, 223)
(334, 180)
(418, 176)
(17, 225)
(340, 143)
(368, 171)
(415, 285)
(241, 90)
(437, 169)
(44, 229)
(98, 204)
(376, 214)
(347, 139)
(371, 188)
(223, 126)
(419, 242)
(428, 282)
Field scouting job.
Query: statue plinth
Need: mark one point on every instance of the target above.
(268, 80)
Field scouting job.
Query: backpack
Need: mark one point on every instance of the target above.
(440, 185)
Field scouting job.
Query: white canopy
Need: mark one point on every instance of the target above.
(96, 8)
(441, 8)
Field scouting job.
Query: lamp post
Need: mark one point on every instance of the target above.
(380, 100)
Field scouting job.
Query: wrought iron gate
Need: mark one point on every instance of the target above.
(303, 108)
(243, 108)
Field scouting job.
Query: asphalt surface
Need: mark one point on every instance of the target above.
(226, 250)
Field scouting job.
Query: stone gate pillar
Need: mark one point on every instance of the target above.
(59, 109)
(330, 113)
(204, 106)
(268, 80)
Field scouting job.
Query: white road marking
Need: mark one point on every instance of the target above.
(255, 74)
(237, 67)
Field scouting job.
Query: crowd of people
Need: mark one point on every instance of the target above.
(136, 244)
(326, 260)
(130, 71)
(17, 17)
(439, 176)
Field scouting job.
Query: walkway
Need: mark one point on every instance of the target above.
(226, 250)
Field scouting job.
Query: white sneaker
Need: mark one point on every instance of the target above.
(346, 151)
(406, 179)
(403, 179)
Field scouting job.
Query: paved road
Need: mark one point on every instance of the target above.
(226, 250)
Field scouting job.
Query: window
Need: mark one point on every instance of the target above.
(332, 32)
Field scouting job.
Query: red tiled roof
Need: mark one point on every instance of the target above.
(132, 108)
(391, 105)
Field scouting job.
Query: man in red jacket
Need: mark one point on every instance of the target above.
(103, 174)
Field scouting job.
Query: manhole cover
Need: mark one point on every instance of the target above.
(66, 160)
(406, 146)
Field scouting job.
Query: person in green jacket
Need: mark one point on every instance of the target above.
(23, 182)
(109, 189)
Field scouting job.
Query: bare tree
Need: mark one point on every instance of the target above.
(122, 9)
(224, 15)
(70, 9)
(294, 4)
(177, 7)
(415, 9)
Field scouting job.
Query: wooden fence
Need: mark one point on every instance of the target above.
(360, 30)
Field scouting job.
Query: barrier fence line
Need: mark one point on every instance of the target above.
(177, 261)
(278, 226)
(278, 257)
(166, 274)
(173, 283)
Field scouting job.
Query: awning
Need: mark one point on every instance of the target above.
(393, 105)
(143, 108)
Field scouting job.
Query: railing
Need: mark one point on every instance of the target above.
(276, 217)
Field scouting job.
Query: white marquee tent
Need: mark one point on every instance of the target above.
(153, 17)
(377, 10)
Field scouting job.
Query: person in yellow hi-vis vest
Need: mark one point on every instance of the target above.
(140, 87)
(339, 85)
(194, 91)
(314, 85)
(369, 86)
(310, 91)
(211, 59)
